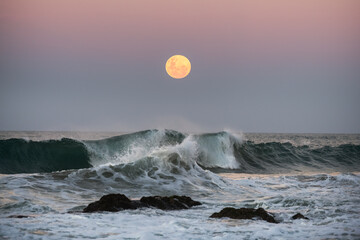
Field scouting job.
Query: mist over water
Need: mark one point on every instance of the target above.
(47, 175)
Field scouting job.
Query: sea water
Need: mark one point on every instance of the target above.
(49, 177)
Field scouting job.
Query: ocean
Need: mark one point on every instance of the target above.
(49, 177)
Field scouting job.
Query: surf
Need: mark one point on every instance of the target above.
(219, 152)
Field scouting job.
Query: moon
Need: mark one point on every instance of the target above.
(178, 66)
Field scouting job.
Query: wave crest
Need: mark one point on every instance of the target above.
(148, 151)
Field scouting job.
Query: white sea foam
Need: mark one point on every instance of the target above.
(152, 166)
(333, 211)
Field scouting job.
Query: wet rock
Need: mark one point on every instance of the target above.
(299, 216)
(169, 203)
(20, 216)
(118, 202)
(245, 213)
(111, 203)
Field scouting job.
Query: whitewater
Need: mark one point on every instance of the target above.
(49, 177)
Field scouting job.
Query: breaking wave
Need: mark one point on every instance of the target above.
(152, 153)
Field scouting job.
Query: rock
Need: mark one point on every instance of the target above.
(118, 202)
(19, 216)
(245, 213)
(169, 203)
(299, 216)
(111, 203)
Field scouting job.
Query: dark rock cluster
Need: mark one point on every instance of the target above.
(118, 202)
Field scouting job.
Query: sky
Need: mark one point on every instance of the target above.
(256, 65)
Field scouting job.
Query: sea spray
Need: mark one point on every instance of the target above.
(223, 151)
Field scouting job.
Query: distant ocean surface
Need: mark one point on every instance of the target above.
(51, 176)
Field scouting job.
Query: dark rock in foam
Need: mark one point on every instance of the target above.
(169, 203)
(245, 213)
(20, 216)
(299, 216)
(111, 203)
(118, 202)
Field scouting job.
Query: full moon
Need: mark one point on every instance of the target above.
(178, 66)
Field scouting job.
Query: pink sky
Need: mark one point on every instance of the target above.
(270, 65)
(247, 29)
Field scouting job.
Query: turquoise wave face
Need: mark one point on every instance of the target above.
(20, 156)
(275, 157)
(219, 152)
